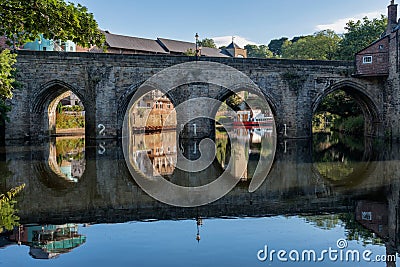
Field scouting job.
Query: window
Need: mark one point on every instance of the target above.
(366, 216)
(381, 47)
(367, 60)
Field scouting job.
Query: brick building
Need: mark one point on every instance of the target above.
(374, 59)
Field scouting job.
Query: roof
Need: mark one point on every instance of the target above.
(133, 43)
(233, 46)
(175, 46)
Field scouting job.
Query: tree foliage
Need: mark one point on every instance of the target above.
(22, 21)
(322, 45)
(275, 46)
(254, 51)
(190, 52)
(359, 35)
(7, 61)
(8, 217)
(206, 42)
(340, 103)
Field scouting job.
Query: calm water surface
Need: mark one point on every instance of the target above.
(81, 206)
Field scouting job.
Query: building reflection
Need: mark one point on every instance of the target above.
(249, 142)
(48, 241)
(154, 154)
(153, 136)
(67, 157)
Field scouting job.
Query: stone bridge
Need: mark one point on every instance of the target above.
(105, 83)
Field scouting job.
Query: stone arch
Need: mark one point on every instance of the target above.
(370, 109)
(45, 102)
(123, 103)
(225, 94)
(189, 73)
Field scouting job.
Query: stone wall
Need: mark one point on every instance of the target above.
(106, 82)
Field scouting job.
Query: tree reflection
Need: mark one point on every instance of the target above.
(353, 229)
(68, 158)
(337, 157)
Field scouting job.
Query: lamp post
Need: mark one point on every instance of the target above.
(197, 45)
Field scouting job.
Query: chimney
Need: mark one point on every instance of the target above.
(392, 17)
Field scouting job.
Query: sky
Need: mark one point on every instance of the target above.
(251, 22)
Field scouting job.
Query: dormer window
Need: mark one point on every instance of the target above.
(367, 59)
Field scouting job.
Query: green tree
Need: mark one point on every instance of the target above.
(7, 61)
(190, 52)
(254, 51)
(275, 46)
(22, 21)
(322, 45)
(8, 217)
(359, 35)
(206, 42)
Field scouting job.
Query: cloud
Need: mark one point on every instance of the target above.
(338, 25)
(226, 40)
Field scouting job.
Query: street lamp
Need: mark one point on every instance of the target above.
(197, 45)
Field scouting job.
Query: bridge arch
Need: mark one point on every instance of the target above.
(45, 102)
(226, 93)
(123, 103)
(360, 94)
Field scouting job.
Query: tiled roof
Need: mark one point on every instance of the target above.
(175, 46)
(232, 46)
(133, 43)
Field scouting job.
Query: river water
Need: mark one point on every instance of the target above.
(330, 201)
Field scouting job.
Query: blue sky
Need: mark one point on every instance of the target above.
(252, 21)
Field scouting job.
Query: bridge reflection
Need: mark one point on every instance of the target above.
(295, 185)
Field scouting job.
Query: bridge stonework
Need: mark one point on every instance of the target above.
(105, 83)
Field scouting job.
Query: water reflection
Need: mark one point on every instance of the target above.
(250, 141)
(159, 147)
(67, 157)
(343, 160)
(288, 210)
(47, 241)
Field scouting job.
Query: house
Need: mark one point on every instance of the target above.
(374, 59)
(234, 50)
(175, 47)
(120, 44)
(43, 44)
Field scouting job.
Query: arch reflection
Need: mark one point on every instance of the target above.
(342, 160)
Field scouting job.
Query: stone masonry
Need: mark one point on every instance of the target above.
(106, 83)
